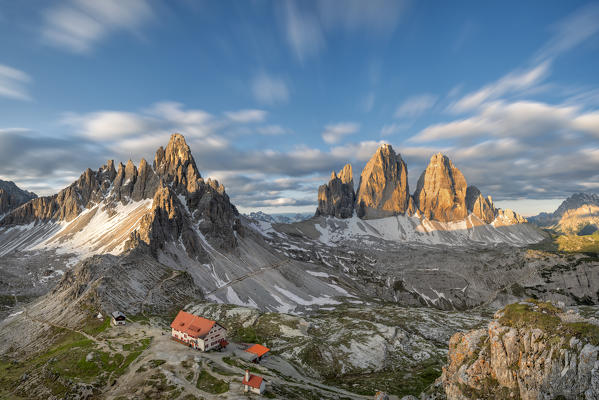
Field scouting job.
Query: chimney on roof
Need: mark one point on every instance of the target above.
(247, 375)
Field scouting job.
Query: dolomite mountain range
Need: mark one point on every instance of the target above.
(441, 194)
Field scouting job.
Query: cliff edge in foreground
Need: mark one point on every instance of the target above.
(530, 350)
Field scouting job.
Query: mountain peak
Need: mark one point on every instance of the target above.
(337, 197)
(347, 175)
(383, 188)
(176, 164)
(441, 191)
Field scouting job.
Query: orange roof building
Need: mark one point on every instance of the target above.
(197, 332)
(258, 350)
(253, 383)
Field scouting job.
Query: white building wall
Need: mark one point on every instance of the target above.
(213, 338)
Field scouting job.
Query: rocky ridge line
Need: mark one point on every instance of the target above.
(441, 194)
(185, 206)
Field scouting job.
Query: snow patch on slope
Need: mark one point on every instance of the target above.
(100, 229)
(401, 228)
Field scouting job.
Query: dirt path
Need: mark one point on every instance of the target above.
(40, 321)
(248, 275)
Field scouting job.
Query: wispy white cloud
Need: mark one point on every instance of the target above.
(303, 31)
(522, 118)
(416, 105)
(368, 102)
(107, 124)
(306, 23)
(392, 129)
(378, 16)
(512, 82)
(13, 83)
(246, 116)
(333, 133)
(571, 32)
(77, 25)
(360, 151)
(269, 89)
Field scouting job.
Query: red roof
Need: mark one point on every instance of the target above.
(194, 326)
(255, 381)
(258, 350)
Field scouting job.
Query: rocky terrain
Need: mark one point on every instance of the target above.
(441, 194)
(354, 299)
(11, 197)
(285, 218)
(530, 350)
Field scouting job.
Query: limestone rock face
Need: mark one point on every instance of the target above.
(508, 217)
(528, 361)
(11, 196)
(176, 165)
(338, 196)
(184, 206)
(383, 188)
(441, 191)
(480, 206)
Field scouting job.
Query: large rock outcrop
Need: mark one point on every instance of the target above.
(480, 206)
(338, 196)
(185, 207)
(11, 196)
(441, 191)
(508, 217)
(531, 351)
(383, 189)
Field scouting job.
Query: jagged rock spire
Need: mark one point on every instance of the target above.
(176, 165)
(441, 191)
(337, 197)
(482, 207)
(383, 188)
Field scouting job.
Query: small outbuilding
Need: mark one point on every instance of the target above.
(253, 383)
(257, 352)
(118, 318)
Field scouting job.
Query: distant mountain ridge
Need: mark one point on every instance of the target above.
(442, 193)
(11, 196)
(578, 214)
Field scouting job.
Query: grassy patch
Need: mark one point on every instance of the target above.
(544, 316)
(95, 326)
(246, 335)
(208, 383)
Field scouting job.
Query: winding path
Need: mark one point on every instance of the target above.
(248, 275)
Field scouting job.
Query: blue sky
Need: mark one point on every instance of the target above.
(272, 96)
